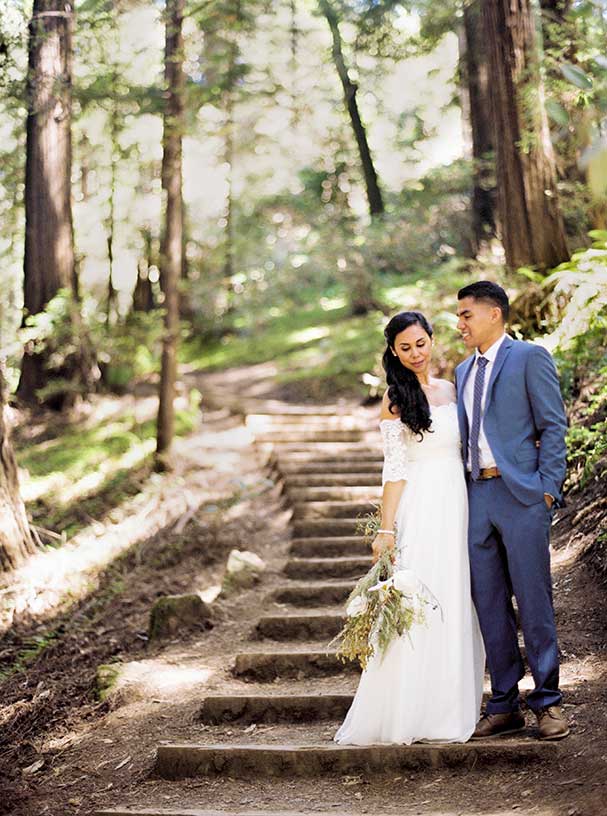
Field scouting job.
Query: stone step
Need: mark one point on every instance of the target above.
(288, 708)
(305, 421)
(364, 493)
(162, 811)
(339, 546)
(315, 528)
(331, 449)
(356, 453)
(318, 466)
(313, 594)
(310, 626)
(353, 567)
(333, 509)
(297, 435)
(266, 666)
(280, 408)
(277, 408)
(361, 479)
(180, 761)
(274, 708)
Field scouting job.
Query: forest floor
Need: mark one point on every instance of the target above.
(63, 751)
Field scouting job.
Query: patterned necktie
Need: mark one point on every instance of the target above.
(479, 384)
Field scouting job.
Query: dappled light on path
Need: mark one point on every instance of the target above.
(61, 576)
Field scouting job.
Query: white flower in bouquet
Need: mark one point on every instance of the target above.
(356, 606)
(406, 581)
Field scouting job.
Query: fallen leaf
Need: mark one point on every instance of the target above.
(35, 766)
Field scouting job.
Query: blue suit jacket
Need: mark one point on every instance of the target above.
(523, 407)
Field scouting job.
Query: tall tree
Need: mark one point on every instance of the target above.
(474, 73)
(294, 35)
(143, 294)
(49, 242)
(350, 88)
(16, 541)
(172, 244)
(531, 222)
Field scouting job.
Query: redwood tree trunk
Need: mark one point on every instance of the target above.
(171, 260)
(49, 243)
(374, 196)
(474, 71)
(16, 541)
(143, 294)
(530, 218)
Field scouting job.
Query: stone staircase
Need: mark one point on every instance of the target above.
(330, 468)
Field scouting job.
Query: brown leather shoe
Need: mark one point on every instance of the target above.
(495, 725)
(552, 723)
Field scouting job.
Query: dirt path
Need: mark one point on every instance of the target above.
(241, 718)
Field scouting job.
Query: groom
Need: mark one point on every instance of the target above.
(512, 425)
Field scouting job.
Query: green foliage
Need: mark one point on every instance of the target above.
(369, 524)
(128, 350)
(587, 445)
(58, 334)
(580, 292)
(354, 640)
(579, 295)
(583, 369)
(576, 102)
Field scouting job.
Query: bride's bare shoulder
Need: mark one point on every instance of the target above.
(386, 413)
(447, 387)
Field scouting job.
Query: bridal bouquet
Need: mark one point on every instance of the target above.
(383, 605)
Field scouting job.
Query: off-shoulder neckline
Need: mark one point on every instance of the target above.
(435, 407)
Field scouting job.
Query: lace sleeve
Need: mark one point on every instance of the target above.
(395, 451)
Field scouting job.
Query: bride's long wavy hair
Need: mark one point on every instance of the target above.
(404, 389)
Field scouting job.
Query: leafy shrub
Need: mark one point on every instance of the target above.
(129, 350)
(580, 342)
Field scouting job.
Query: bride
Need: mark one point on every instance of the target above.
(428, 685)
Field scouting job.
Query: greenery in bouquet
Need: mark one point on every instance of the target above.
(384, 604)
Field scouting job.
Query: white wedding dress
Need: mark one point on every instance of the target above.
(428, 687)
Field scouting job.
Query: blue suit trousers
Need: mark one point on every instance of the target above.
(509, 556)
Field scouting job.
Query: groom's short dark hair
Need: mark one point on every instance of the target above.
(490, 293)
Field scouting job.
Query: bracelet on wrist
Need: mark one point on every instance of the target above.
(388, 532)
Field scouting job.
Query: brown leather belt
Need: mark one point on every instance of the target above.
(489, 473)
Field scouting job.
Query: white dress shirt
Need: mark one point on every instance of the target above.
(486, 459)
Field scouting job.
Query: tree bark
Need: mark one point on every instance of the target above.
(171, 260)
(16, 542)
(112, 295)
(143, 294)
(229, 156)
(374, 195)
(293, 62)
(474, 70)
(49, 240)
(530, 219)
